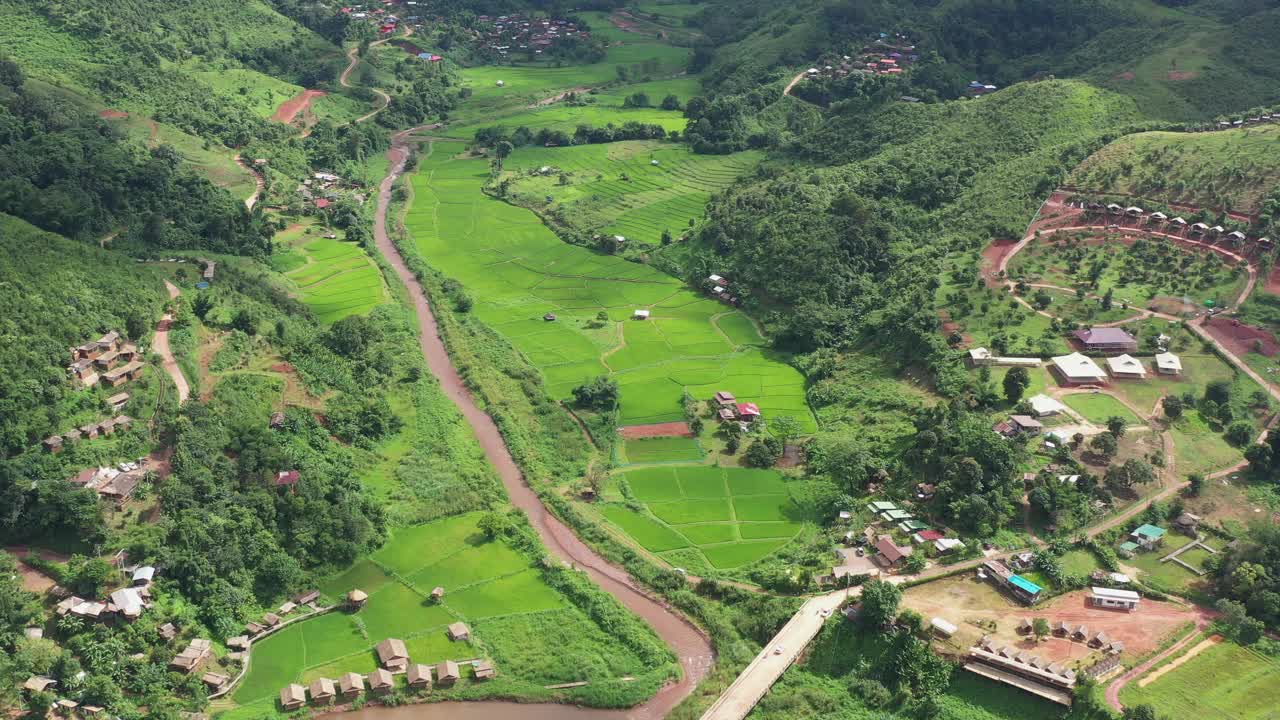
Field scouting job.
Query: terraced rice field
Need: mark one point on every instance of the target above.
(334, 278)
(617, 188)
(730, 517)
(518, 271)
(487, 583)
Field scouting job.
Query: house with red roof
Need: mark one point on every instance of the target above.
(322, 203)
(287, 478)
(747, 412)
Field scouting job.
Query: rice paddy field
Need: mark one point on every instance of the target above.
(518, 271)
(726, 517)
(334, 278)
(488, 585)
(636, 189)
(1223, 681)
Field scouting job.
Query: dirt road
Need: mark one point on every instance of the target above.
(688, 642)
(161, 345)
(794, 81)
(353, 59)
(259, 183)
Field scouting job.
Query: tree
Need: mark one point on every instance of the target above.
(695, 426)
(763, 453)
(1104, 444)
(600, 394)
(670, 102)
(17, 606)
(1260, 457)
(1140, 712)
(1115, 426)
(1134, 471)
(1040, 628)
(1195, 483)
(1041, 299)
(880, 603)
(495, 525)
(784, 428)
(1173, 407)
(501, 151)
(1239, 433)
(915, 563)
(245, 321)
(1016, 382)
(1106, 298)
(88, 576)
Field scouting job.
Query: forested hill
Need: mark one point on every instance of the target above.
(854, 249)
(1180, 60)
(67, 171)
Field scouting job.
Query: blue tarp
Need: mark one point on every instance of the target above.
(1024, 584)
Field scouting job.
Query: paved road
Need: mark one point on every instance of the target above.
(161, 345)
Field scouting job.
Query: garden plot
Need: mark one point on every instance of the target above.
(1224, 680)
(728, 517)
(518, 271)
(334, 278)
(482, 579)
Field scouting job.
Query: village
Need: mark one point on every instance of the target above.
(508, 34)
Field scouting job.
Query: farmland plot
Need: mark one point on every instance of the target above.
(335, 279)
(518, 271)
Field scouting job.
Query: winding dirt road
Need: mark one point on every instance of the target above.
(161, 345)
(689, 643)
(353, 59)
(794, 81)
(259, 182)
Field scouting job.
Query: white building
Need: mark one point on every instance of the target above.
(1109, 598)
(641, 315)
(1168, 364)
(1076, 369)
(1043, 405)
(1126, 366)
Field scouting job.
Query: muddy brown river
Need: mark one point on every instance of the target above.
(689, 643)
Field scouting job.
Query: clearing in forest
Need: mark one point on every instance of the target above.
(1232, 169)
(512, 612)
(334, 278)
(636, 189)
(519, 272)
(708, 517)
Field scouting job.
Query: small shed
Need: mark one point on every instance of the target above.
(437, 592)
(350, 685)
(419, 676)
(323, 691)
(459, 631)
(447, 673)
(640, 315)
(381, 681)
(357, 598)
(293, 697)
(484, 670)
(943, 627)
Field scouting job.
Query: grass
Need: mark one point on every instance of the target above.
(263, 92)
(1200, 449)
(1231, 168)
(1226, 680)
(1169, 576)
(517, 270)
(1098, 408)
(723, 518)
(482, 579)
(1079, 562)
(334, 278)
(617, 189)
(656, 450)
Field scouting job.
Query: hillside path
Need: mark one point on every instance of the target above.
(258, 181)
(161, 345)
(353, 59)
(690, 644)
(794, 81)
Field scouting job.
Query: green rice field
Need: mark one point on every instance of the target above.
(1098, 408)
(728, 517)
(1223, 681)
(636, 189)
(489, 585)
(334, 278)
(517, 271)
(661, 450)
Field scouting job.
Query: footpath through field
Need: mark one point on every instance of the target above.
(161, 345)
(688, 642)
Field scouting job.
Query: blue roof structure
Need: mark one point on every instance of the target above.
(1024, 584)
(1149, 531)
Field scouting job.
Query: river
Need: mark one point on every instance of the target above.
(689, 643)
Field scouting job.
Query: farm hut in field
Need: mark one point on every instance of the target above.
(253, 629)
(1187, 523)
(725, 399)
(1099, 640)
(1080, 633)
(640, 315)
(356, 599)
(484, 670)
(437, 592)
(214, 680)
(381, 682)
(1060, 629)
(323, 691)
(1168, 364)
(287, 478)
(419, 676)
(943, 627)
(500, 83)
(549, 317)
(447, 673)
(350, 685)
(459, 632)
(1115, 648)
(38, 684)
(277, 420)
(1217, 230)
(1025, 627)
(747, 412)
(293, 697)
(53, 444)
(392, 654)
(288, 607)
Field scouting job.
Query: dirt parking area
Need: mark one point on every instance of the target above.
(671, 429)
(978, 609)
(32, 579)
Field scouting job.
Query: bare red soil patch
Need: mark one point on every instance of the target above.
(110, 114)
(992, 255)
(1172, 306)
(1240, 338)
(1182, 74)
(290, 108)
(671, 429)
(32, 579)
